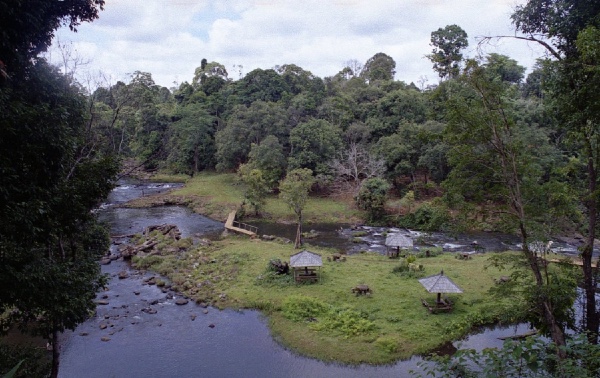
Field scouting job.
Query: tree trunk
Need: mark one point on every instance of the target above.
(589, 285)
(55, 355)
(298, 241)
(556, 332)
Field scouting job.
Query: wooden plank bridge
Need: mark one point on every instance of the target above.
(242, 228)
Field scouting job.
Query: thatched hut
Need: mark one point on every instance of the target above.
(306, 265)
(394, 242)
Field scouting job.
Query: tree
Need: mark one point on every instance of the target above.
(371, 198)
(313, 144)
(294, 191)
(269, 158)
(28, 27)
(492, 160)
(354, 165)
(558, 25)
(55, 176)
(208, 71)
(263, 85)
(379, 67)
(446, 55)
(257, 188)
(505, 68)
(191, 146)
(247, 125)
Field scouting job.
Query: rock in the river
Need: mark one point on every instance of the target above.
(123, 274)
(149, 310)
(181, 301)
(103, 325)
(102, 302)
(104, 338)
(105, 261)
(211, 325)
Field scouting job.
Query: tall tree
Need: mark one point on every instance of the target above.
(491, 162)
(54, 176)
(557, 25)
(28, 27)
(446, 55)
(313, 144)
(379, 67)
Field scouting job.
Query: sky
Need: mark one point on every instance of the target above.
(169, 38)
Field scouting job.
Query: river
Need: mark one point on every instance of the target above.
(126, 338)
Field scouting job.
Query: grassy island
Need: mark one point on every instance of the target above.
(324, 320)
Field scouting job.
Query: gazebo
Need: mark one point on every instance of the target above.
(305, 265)
(397, 241)
(439, 284)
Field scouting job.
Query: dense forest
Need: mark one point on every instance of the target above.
(487, 148)
(356, 125)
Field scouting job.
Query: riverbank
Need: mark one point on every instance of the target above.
(334, 324)
(215, 195)
(326, 320)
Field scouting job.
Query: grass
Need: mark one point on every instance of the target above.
(388, 325)
(216, 194)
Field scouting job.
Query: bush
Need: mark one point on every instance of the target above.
(301, 307)
(35, 361)
(346, 321)
(387, 344)
(146, 262)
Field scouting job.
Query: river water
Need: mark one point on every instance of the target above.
(141, 332)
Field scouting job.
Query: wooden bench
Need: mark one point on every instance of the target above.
(444, 306)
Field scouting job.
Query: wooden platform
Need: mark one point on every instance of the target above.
(238, 227)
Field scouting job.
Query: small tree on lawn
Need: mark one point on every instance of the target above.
(294, 192)
(257, 187)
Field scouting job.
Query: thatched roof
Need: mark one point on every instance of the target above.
(398, 240)
(305, 258)
(439, 283)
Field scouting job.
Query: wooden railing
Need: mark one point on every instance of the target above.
(245, 226)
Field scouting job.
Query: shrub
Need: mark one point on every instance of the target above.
(387, 344)
(346, 321)
(146, 262)
(301, 307)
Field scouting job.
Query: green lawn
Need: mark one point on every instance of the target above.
(232, 273)
(215, 195)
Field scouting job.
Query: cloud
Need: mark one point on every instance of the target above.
(169, 38)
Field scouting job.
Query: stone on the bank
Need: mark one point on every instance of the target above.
(181, 301)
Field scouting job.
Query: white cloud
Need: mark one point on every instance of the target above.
(169, 38)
